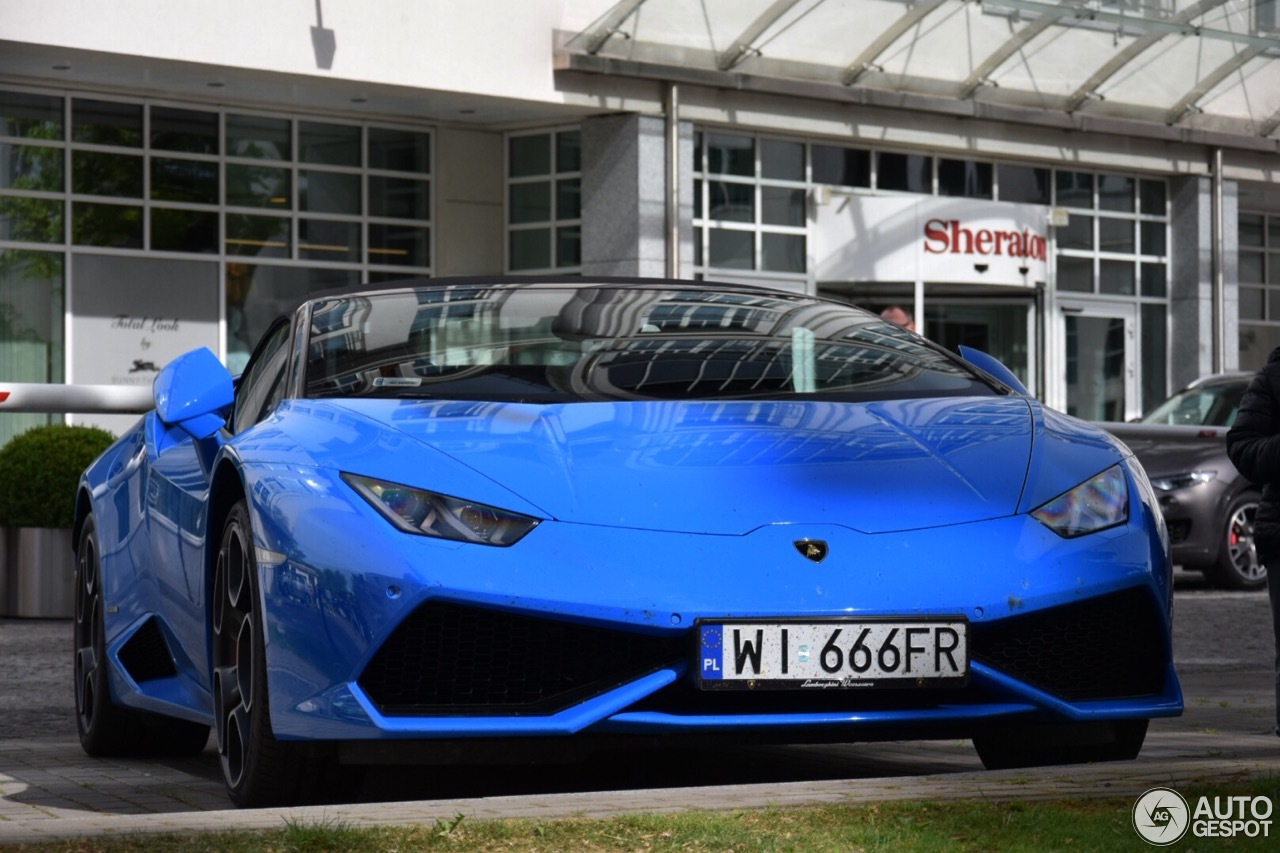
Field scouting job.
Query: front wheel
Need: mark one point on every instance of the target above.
(1237, 566)
(1069, 743)
(258, 770)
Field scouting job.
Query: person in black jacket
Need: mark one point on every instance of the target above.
(1253, 443)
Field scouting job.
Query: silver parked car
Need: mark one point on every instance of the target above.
(1207, 505)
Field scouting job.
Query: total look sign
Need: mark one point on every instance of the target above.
(873, 238)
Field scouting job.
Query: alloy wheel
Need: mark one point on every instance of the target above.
(1241, 548)
(89, 634)
(235, 653)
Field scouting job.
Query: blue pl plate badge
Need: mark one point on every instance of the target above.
(712, 643)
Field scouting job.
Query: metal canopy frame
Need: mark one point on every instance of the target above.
(1207, 66)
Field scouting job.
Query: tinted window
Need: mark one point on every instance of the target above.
(848, 167)
(907, 172)
(262, 385)
(561, 344)
(1208, 405)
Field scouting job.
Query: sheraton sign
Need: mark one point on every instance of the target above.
(951, 236)
(930, 239)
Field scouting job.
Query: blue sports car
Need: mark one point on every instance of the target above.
(448, 520)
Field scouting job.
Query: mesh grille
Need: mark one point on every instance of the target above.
(1109, 647)
(454, 659)
(146, 656)
(449, 658)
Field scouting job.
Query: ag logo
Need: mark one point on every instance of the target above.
(1161, 816)
(811, 549)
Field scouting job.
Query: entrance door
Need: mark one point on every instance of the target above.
(999, 327)
(1102, 382)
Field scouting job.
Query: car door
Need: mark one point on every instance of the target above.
(178, 493)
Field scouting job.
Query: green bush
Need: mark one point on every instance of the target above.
(39, 472)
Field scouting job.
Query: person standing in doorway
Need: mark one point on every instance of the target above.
(1253, 443)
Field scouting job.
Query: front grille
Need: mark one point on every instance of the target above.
(448, 658)
(1109, 647)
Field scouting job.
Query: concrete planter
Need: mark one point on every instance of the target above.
(37, 573)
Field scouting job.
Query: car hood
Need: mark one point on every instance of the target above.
(725, 467)
(1167, 449)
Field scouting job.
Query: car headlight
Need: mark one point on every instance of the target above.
(442, 516)
(1181, 481)
(1096, 504)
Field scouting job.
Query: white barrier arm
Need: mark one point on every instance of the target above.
(79, 399)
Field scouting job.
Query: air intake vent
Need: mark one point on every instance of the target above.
(452, 659)
(146, 656)
(1110, 647)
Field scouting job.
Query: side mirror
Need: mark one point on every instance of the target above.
(989, 364)
(190, 392)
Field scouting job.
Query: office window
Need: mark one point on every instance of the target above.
(544, 201)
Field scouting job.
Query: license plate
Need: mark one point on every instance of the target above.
(824, 655)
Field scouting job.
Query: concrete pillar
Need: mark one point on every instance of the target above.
(469, 203)
(624, 196)
(1191, 278)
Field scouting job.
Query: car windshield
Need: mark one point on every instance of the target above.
(542, 343)
(1204, 405)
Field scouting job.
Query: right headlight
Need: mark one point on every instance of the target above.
(442, 516)
(1096, 504)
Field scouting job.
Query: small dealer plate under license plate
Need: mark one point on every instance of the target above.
(852, 653)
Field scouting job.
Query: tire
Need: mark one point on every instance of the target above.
(257, 769)
(1070, 743)
(1237, 566)
(106, 728)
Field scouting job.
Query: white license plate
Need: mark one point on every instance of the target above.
(817, 655)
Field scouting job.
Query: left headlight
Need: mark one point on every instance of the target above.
(442, 516)
(1182, 481)
(1096, 504)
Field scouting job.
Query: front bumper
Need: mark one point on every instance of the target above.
(1065, 630)
(1194, 518)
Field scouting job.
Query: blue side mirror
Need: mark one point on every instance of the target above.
(192, 390)
(989, 364)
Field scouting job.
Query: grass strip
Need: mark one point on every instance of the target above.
(916, 825)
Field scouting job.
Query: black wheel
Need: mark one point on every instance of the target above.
(258, 769)
(1071, 743)
(107, 728)
(1237, 566)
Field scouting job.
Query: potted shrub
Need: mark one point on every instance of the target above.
(39, 472)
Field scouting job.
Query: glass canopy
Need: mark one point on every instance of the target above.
(1211, 65)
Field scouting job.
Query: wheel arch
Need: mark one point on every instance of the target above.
(226, 488)
(83, 507)
(1242, 487)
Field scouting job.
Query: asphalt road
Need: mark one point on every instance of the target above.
(1223, 651)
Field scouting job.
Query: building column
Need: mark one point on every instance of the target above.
(468, 199)
(1191, 278)
(624, 197)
